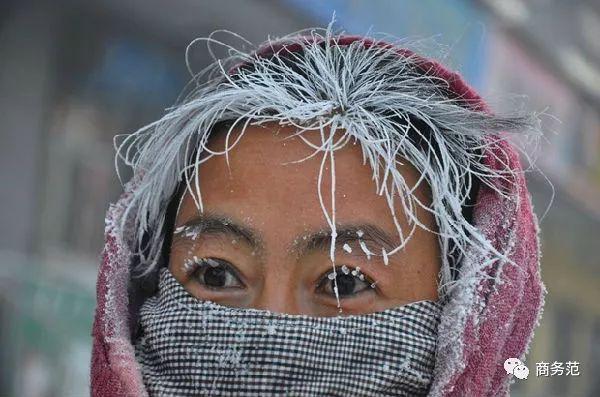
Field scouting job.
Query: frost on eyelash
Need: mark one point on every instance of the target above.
(191, 264)
(353, 96)
(191, 232)
(179, 230)
(346, 270)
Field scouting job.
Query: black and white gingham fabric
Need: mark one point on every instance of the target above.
(191, 347)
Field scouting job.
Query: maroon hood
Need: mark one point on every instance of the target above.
(474, 338)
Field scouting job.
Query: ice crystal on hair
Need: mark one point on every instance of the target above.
(386, 259)
(365, 249)
(373, 95)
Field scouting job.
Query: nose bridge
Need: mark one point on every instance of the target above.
(279, 292)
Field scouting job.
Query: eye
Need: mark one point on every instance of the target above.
(215, 273)
(350, 281)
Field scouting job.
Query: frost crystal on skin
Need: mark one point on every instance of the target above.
(341, 94)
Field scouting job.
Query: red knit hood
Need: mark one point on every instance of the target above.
(474, 340)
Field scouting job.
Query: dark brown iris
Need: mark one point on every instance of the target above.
(215, 276)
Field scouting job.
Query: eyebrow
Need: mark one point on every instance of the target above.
(210, 223)
(370, 234)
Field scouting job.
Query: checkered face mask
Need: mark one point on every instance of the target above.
(191, 347)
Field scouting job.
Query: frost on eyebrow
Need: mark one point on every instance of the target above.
(213, 224)
(362, 235)
(335, 95)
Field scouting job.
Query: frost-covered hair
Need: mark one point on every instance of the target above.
(372, 94)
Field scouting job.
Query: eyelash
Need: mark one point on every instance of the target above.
(345, 270)
(195, 266)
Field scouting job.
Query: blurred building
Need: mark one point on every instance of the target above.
(550, 51)
(73, 74)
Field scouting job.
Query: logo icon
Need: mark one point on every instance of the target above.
(515, 367)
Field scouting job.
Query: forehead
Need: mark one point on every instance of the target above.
(271, 177)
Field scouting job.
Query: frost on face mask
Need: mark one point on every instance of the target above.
(192, 347)
(372, 94)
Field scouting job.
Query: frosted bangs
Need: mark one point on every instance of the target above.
(372, 95)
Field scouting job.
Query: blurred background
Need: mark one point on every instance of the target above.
(75, 73)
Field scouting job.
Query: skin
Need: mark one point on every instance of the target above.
(276, 239)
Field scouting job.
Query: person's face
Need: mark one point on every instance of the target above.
(265, 242)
